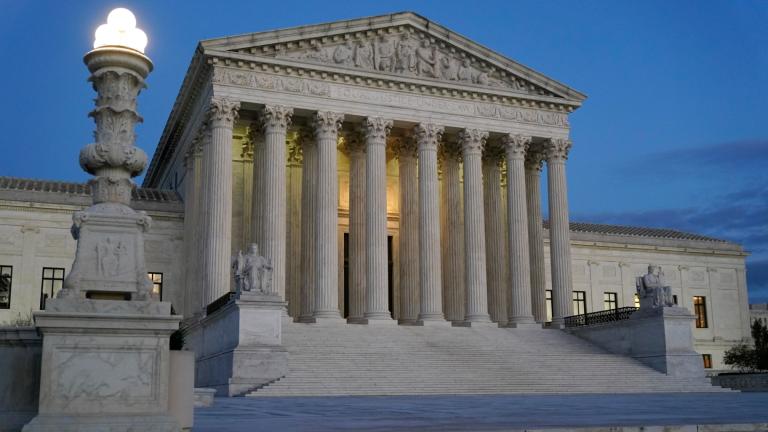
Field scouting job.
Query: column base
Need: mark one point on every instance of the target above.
(520, 320)
(327, 321)
(477, 318)
(432, 323)
(305, 319)
(408, 322)
(381, 321)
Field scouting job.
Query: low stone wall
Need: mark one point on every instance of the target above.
(20, 355)
(748, 382)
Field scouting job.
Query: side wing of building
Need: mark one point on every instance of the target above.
(707, 276)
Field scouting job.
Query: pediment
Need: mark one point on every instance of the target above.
(404, 45)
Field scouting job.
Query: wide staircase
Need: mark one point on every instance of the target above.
(403, 360)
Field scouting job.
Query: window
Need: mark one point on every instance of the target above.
(637, 300)
(53, 279)
(6, 277)
(579, 302)
(674, 298)
(700, 310)
(157, 284)
(548, 300)
(707, 360)
(610, 301)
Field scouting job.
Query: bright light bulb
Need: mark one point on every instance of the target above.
(120, 30)
(122, 19)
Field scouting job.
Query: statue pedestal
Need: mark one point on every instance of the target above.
(105, 366)
(662, 339)
(238, 346)
(109, 261)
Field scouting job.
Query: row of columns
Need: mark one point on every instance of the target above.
(517, 295)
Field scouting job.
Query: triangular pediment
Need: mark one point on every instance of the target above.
(403, 44)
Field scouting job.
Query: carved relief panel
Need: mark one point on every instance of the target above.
(404, 51)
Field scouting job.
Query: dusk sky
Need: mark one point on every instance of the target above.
(674, 132)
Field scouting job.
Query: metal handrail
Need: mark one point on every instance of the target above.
(601, 317)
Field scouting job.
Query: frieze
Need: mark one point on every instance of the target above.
(270, 82)
(309, 87)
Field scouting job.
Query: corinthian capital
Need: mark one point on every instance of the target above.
(557, 149)
(428, 135)
(222, 112)
(376, 129)
(472, 140)
(405, 146)
(275, 118)
(352, 142)
(327, 124)
(516, 145)
(493, 153)
(534, 159)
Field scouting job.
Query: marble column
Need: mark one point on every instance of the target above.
(495, 235)
(519, 311)
(453, 233)
(431, 307)
(559, 230)
(274, 121)
(375, 131)
(475, 282)
(355, 148)
(217, 199)
(293, 221)
(308, 213)
(407, 153)
(533, 165)
(327, 125)
(256, 138)
(193, 289)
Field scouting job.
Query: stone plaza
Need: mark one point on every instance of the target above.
(352, 209)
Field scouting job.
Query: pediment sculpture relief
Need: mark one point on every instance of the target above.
(408, 53)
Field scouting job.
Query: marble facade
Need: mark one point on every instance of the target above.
(391, 170)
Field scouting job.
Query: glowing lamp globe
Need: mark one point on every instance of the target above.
(120, 30)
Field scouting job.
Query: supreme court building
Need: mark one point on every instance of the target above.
(391, 171)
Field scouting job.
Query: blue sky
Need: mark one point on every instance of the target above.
(674, 132)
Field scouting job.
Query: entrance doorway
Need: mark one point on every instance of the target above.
(390, 271)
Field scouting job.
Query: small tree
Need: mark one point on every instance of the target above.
(760, 335)
(748, 358)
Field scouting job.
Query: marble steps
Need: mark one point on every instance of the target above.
(399, 360)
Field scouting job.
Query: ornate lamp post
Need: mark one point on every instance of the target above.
(106, 363)
(109, 263)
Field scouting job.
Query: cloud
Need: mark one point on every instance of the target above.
(729, 154)
(720, 190)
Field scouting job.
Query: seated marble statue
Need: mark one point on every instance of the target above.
(653, 290)
(253, 272)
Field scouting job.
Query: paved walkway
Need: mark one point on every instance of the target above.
(480, 413)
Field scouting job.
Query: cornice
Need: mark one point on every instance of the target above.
(629, 247)
(196, 78)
